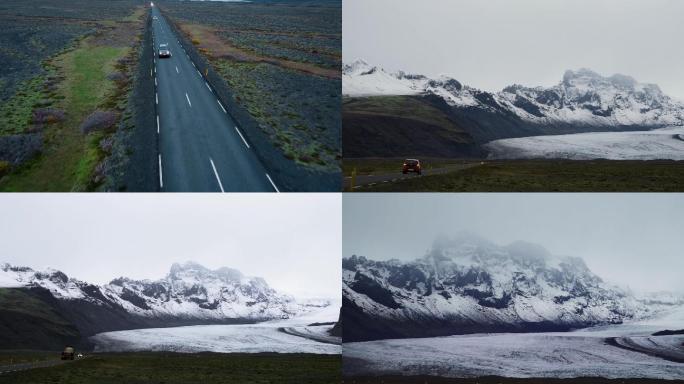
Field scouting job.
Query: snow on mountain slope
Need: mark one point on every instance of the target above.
(664, 143)
(361, 79)
(59, 284)
(189, 291)
(466, 284)
(582, 98)
(194, 291)
(11, 277)
(587, 98)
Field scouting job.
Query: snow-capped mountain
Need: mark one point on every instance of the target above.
(583, 98)
(194, 291)
(361, 79)
(466, 284)
(58, 283)
(189, 291)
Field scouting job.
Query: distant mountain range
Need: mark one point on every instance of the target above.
(583, 101)
(190, 294)
(466, 284)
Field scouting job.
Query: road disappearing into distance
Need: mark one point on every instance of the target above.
(201, 148)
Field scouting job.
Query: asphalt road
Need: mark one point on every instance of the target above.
(201, 149)
(363, 180)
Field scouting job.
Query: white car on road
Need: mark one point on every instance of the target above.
(164, 51)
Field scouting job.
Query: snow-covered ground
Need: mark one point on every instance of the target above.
(315, 332)
(242, 338)
(569, 354)
(665, 143)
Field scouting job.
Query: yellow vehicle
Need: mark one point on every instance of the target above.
(68, 353)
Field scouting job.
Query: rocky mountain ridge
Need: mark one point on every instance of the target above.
(583, 101)
(466, 284)
(188, 291)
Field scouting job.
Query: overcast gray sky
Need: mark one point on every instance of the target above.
(494, 43)
(291, 240)
(633, 240)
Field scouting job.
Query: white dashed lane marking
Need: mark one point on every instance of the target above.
(272, 183)
(242, 137)
(216, 174)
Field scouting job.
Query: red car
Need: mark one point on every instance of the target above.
(411, 165)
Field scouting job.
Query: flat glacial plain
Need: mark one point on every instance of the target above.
(657, 144)
(582, 353)
(239, 338)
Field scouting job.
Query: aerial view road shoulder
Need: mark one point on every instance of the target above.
(512, 96)
(171, 96)
(181, 298)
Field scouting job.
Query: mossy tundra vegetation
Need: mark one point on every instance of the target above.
(282, 60)
(69, 71)
(170, 368)
(529, 176)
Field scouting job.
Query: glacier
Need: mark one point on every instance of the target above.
(581, 353)
(239, 338)
(664, 143)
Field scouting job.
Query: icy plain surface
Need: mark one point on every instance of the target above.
(665, 143)
(558, 354)
(242, 338)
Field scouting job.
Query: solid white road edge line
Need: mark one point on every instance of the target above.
(242, 137)
(216, 174)
(186, 96)
(208, 87)
(273, 184)
(221, 105)
(161, 179)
